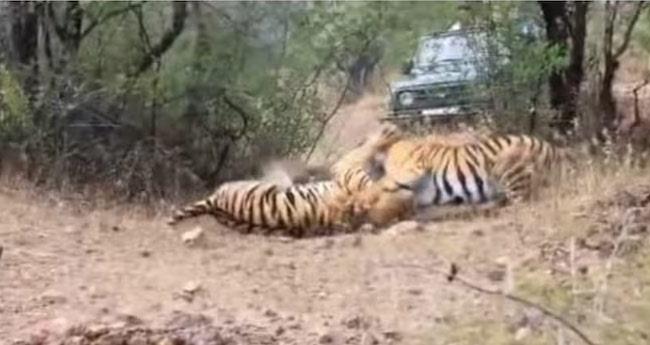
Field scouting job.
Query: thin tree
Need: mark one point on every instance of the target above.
(566, 27)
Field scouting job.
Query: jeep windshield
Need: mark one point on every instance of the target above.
(455, 54)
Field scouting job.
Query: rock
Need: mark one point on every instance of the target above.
(166, 341)
(270, 313)
(403, 228)
(189, 291)
(496, 275)
(394, 336)
(357, 322)
(369, 339)
(191, 287)
(478, 233)
(522, 333)
(367, 228)
(52, 297)
(69, 229)
(129, 319)
(193, 236)
(330, 338)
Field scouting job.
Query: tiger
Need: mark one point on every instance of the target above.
(297, 210)
(419, 172)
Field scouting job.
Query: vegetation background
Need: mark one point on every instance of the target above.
(144, 101)
(148, 99)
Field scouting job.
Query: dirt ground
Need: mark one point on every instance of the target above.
(98, 275)
(75, 274)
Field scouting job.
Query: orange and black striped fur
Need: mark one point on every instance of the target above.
(258, 206)
(437, 170)
(297, 209)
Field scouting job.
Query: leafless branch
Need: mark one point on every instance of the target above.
(95, 22)
(142, 30)
(325, 121)
(452, 275)
(630, 26)
(168, 38)
(244, 116)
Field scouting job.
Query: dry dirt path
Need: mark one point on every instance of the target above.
(62, 266)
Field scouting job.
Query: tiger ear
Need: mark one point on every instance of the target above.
(374, 167)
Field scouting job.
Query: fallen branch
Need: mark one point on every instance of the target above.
(452, 274)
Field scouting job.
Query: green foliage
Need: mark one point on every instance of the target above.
(245, 79)
(641, 34)
(14, 108)
(519, 84)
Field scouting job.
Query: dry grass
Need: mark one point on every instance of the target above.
(64, 264)
(66, 261)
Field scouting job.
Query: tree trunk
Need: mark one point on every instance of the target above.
(567, 30)
(24, 43)
(611, 56)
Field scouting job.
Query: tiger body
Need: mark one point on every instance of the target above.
(433, 170)
(297, 209)
(259, 206)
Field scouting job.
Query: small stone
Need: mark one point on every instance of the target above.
(403, 228)
(369, 339)
(353, 322)
(189, 291)
(367, 228)
(496, 275)
(74, 340)
(191, 287)
(326, 338)
(52, 297)
(145, 253)
(193, 236)
(129, 319)
(270, 313)
(393, 335)
(522, 333)
(166, 341)
(70, 230)
(295, 326)
(285, 239)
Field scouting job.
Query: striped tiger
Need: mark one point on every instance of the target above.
(464, 169)
(259, 206)
(299, 209)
